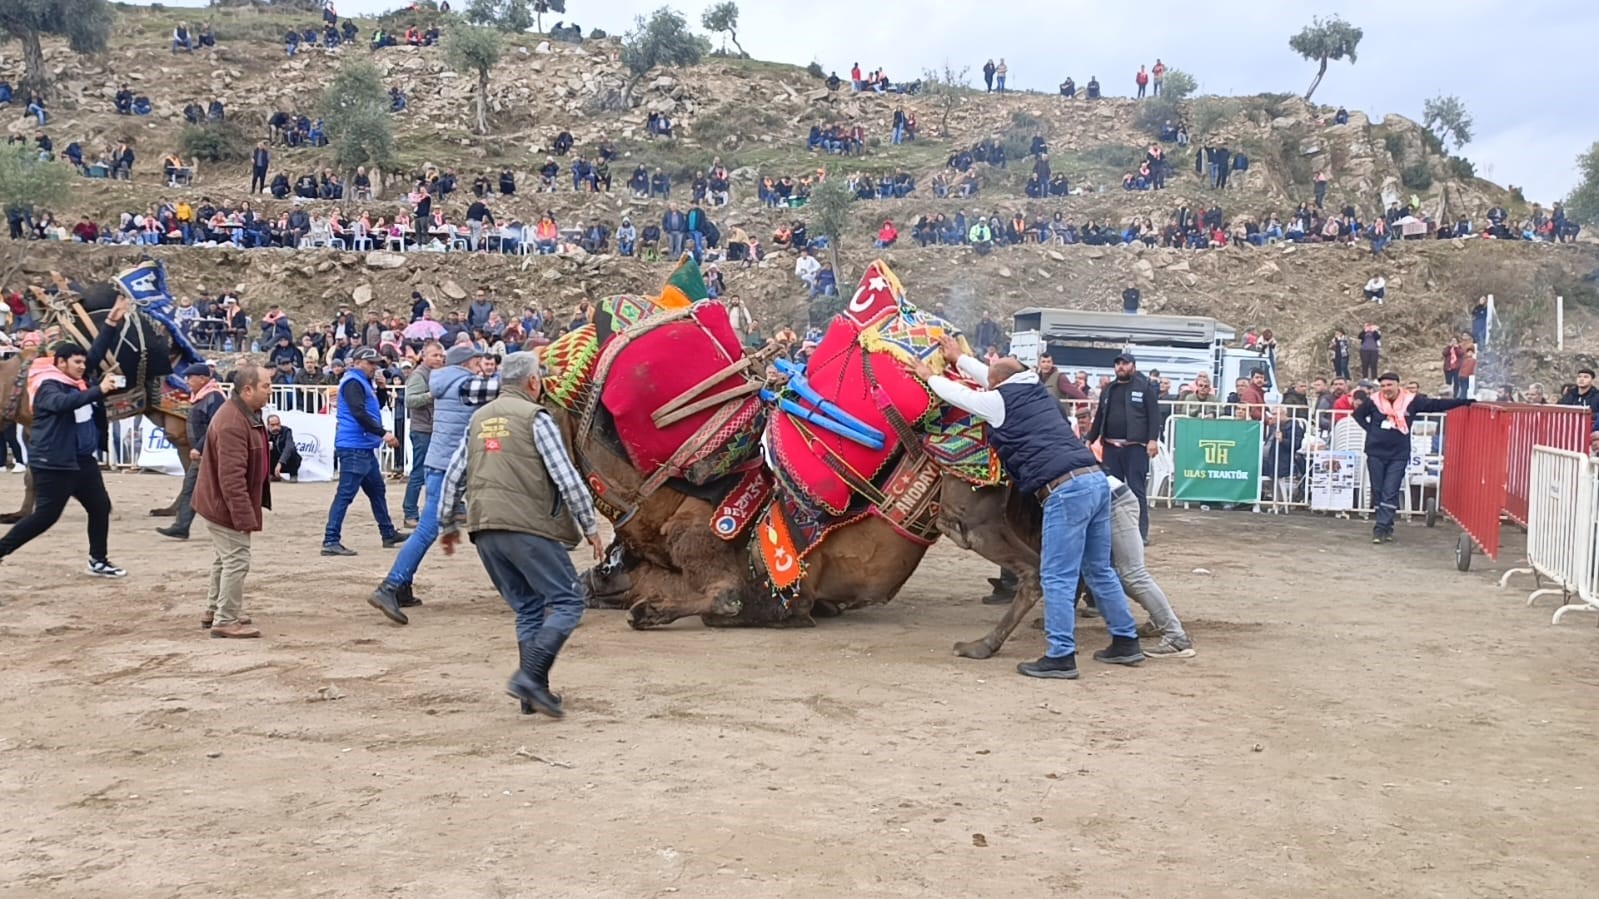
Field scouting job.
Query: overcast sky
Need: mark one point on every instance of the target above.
(1521, 68)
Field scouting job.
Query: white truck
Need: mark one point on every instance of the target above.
(1178, 346)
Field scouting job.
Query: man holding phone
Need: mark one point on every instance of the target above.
(68, 414)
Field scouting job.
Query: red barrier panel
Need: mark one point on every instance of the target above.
(1476, 445)
(1561, 427)
(1489, 469)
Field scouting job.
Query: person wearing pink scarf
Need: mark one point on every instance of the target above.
(68, 418)
(1386, 418)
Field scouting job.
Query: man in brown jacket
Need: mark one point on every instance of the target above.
(230, 494)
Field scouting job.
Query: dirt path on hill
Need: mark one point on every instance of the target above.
(1360, 721)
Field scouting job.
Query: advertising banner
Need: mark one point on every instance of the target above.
(1216, 460)
(1334, 480)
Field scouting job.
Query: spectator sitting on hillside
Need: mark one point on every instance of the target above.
(124, 101)
(331, 38)
(563, 143)
(1376, 289)
(215, 112)
(1068, 88)
(396, 100)
(207, 39)
(193, 113)
(639, 183)
(36, 109)
(659, 124)
(291, 42)
(348, 31)
(626, 237)
(1341, 117)
(548, 173)
(660, 185)
(181, 39)
(826, 282)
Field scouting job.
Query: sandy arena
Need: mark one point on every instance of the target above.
(1360, 721)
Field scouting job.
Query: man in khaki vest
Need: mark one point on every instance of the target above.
(526, 506)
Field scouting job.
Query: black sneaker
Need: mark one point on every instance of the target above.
(336, 549)
(173, 532)
(1060, 667)
(395, 539)
(1121, 651)
(103, 568)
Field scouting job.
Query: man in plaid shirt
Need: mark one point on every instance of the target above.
(527, 506)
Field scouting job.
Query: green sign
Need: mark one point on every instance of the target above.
(1216, 460)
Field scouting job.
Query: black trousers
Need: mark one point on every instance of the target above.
(52, 489)
(1130, 463)
(1368, 363)
(9, 442)
(257, 180)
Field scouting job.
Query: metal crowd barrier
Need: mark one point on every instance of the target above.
(1490, 446)
(1328, 472)
(1560, 526)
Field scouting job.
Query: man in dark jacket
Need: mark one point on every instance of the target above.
(988, 334)
(232, 491)
(1128, 424)
(286, 458)
(1584, 394)
(205, 398)
(1045, 459)
(1386, 418)
(67, 417)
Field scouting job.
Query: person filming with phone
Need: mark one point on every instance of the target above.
(68, 417)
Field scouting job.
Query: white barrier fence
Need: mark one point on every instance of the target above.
(1562, 527)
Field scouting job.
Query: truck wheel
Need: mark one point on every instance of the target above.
(1463, 553)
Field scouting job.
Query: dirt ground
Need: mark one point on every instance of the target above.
(1360, 721)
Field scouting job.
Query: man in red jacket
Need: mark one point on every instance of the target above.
(230, 494)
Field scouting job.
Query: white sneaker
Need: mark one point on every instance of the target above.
(103, 568)
(18, 468)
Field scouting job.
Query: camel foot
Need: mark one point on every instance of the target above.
(975, 649)
(12, 517)
(166, 512)
(825, 609)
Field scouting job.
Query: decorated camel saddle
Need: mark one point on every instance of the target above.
(666, 382)
(855, 433)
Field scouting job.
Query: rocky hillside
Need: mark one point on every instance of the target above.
(754, 116)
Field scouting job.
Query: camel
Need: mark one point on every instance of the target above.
(153, 361)
(667, 561)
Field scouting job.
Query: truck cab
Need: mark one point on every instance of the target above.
(1180, 347)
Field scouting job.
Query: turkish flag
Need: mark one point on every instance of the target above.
(876, 296)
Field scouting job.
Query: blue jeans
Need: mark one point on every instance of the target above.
(358, 473)
(1387, 479)
(535, 577)
(427, 530)
(899, 133)
(413, 487)
(1077, 528)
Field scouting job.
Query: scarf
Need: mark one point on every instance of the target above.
(42, 370)
(1395, 410)
(210, 387)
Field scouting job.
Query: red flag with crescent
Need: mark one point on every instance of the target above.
(876, 297)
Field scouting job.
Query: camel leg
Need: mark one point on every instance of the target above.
(177, 431)
(1028, 592)
(27, 502)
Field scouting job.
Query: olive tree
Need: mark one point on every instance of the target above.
(1324, 40)
(86, 24)
(477, 49)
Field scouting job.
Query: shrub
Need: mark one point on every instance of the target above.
(1113, 156)
(1205, 115)
(1025, 120)
(1395, 145)
(1462, 168)
(214, 142)
(815, 70)
(1178, 85)
(1155, 112)
(597, 34)
(1416, 176)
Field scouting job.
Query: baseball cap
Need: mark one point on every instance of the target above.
(1125, 357)
(364, 354)
(461, 353)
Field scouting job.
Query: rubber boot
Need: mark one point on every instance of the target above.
(531, 683)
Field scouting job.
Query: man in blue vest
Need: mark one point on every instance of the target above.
(457, 389)
(1045, 459)
(356, 439)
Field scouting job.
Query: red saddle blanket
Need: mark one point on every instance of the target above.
(845, 374)
(662, 364)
